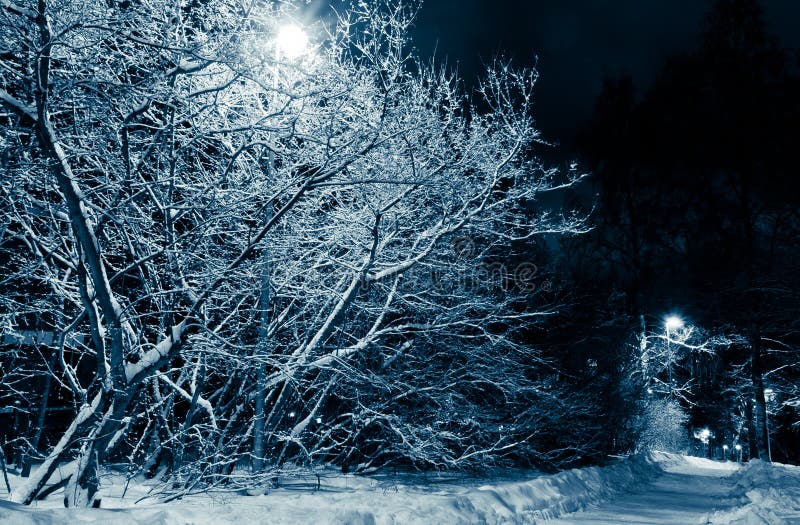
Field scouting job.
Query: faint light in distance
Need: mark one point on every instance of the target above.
(673, 322)
(703, 435)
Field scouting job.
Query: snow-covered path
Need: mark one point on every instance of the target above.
(685, 494)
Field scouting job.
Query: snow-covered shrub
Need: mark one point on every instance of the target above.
(662, 426)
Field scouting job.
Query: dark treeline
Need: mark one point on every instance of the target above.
(697, 216)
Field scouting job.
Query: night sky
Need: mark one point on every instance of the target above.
(577, 42)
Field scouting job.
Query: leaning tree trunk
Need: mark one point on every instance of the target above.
(26, 493)
(85, 480)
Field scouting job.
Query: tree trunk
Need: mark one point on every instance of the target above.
(40, 420)
(83, 486)
(259, 423)
(187, 424)
(3, 468)
(751, 428)
(27, 492)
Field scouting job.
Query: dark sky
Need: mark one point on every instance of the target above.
(577, 43)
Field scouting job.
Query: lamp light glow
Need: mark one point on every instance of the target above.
(291, 42)
(673, 322)
(703, 435)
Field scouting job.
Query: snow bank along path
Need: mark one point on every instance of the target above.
(685, 493)
(364, 502)
(764, 494)
(654, 489)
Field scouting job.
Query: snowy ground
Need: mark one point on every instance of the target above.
(763, 493)
(658, 489)
(685, 492)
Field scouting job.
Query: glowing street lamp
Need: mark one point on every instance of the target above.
(739, 452)
(673, 322)
(725, 452)
(291, 42)
(704, 435)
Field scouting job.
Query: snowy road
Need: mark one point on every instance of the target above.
(684, 494)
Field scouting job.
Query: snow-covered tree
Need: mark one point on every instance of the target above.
(234, 238)
(662, 425)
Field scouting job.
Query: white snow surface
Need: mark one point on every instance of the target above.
(656, 488)
(687, 489)
(765, 494)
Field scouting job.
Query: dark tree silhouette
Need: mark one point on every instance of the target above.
(699, 206)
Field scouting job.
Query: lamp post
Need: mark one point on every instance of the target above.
(769, 395)
(670, 324)
(725, 452)
(292, 43)
(738, 453)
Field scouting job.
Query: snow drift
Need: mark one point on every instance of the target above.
(768, 493)
(370, 503)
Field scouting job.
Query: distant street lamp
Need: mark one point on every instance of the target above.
(704, 435)
(739, 453)
(725, 452)
(671, 324)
